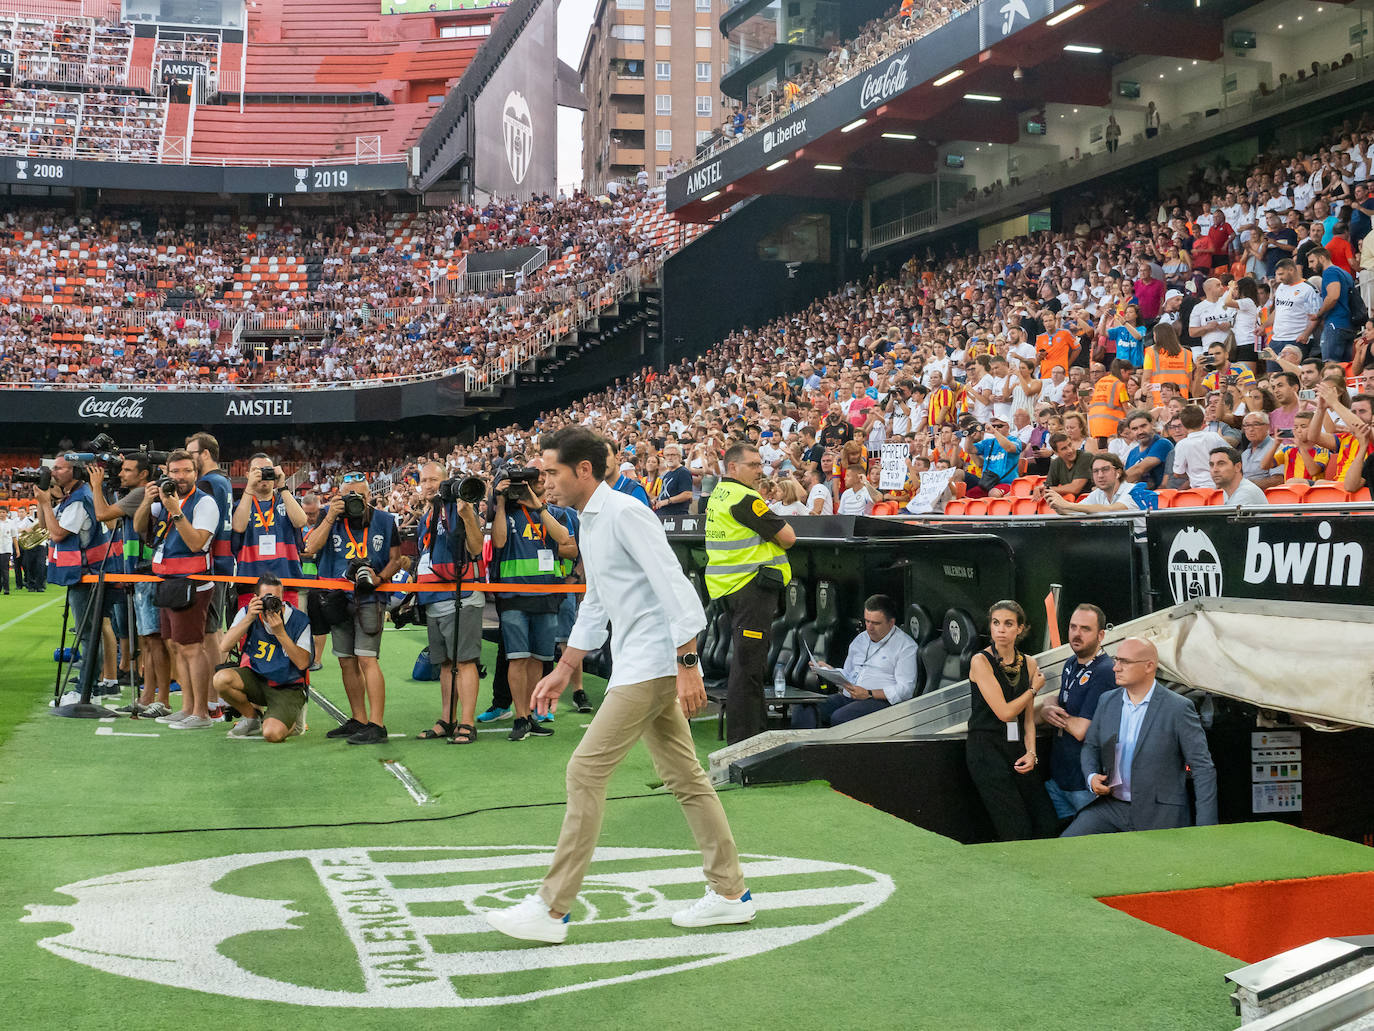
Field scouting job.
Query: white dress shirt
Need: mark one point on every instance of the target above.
(888, 665)
(1193, 454)
(634, 583)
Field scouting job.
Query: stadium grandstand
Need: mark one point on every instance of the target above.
(999, 374)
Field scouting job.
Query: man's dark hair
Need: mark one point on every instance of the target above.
(1285, 263)
(1139, 413)
(1057, 438)
(1087, 606)
(141, 461)
(1319, 252)
(1291, 378)
(1231, 454)
(576, 445)
(181, 455)
(1367, 398)
(881, 603)
(738, 451)
(266, 580)
(259, 454)
(1111, 459)
(1311, 361)
(207, 443)
(1192, 417)
(1340, 228)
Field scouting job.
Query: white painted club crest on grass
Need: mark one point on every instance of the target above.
(165, 924)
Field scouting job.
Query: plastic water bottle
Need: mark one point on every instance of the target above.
(780, 679)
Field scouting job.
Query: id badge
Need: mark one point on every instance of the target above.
(545, 560)
(426, 564)
(267, 546)
(1013, 731)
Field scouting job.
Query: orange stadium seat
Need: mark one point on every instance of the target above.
(1193, 497)
(1284, 494)
(1323, 494)
(1025, 506)
(886, 508)
(999, 506)
(977, 506)
(956, 506)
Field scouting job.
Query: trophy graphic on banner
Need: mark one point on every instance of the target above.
(21, 169)
(301, 174)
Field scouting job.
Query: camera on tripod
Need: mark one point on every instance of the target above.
(471, 489)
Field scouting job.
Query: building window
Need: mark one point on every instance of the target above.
(663, 104)
(703, 107)
(704, 136)
(703, 71)
(630, 33)
(663, 5)
(704, 5)
(630, 5)
(663, 139)
(663, 36)
(703, 39)
(663, 71)
(661, 174)
(463, 31)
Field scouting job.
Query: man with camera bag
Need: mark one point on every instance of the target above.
(267, 527)
(274, 639)
(135, 475)
(356, 541)
(448, 541)
(182, 520)
(527, 542)
(78, 545)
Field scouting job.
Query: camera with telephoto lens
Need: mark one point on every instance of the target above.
(517, 480)
(271, 605)
(363, 577)
(471, 489)
(41, 477)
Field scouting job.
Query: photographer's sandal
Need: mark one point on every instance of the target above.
(465, 735)
(434, 735)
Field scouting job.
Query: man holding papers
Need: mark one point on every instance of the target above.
(880, 670)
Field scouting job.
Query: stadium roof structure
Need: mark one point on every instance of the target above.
(968, 80)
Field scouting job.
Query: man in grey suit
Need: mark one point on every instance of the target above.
(1141, 739)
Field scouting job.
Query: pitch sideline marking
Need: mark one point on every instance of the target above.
(32, 612)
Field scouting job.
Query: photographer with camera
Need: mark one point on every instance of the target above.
(181, 519)
(267, 527)
(356, 541)
(79, 545)
(135, 476)
(210, 479)
(527, 542)
(310, 570)
(448, 541)
(269, 684)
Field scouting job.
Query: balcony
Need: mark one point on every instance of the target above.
(631, 121)
(625, 49)
(622, 155)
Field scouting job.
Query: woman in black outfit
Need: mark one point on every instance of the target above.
(1001, 731)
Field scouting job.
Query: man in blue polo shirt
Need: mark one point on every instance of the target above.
(1148, 460)
(1000, 452)
(1084, 678)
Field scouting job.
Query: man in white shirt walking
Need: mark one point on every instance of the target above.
(1193, 454)
(634, 582)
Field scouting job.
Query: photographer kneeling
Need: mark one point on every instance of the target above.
(358, 542)
(274, 639)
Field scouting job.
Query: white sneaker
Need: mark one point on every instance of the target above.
(174, 717)
(249, 726)
(713, 909)
(529, 921)
(191, 723)
(70, 698)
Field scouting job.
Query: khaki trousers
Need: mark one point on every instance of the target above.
(648, 710)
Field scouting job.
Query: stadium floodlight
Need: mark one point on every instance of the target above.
(776, 165)
(829, 168)
(986, 98)
(1065, 15)
(1079, 48)
(908, 136)
(712, 195)
(854, 124)
(949, 77)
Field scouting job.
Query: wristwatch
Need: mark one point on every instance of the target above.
(689, 660)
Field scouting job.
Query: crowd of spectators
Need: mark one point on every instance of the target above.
(98, 125)
(87, 50)
(876, 41)
(381, 302)
(1111, 361)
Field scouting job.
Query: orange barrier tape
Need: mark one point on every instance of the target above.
(346, 585)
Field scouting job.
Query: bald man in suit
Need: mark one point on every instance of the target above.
(1142, 740)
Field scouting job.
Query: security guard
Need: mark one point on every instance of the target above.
(747, 565)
